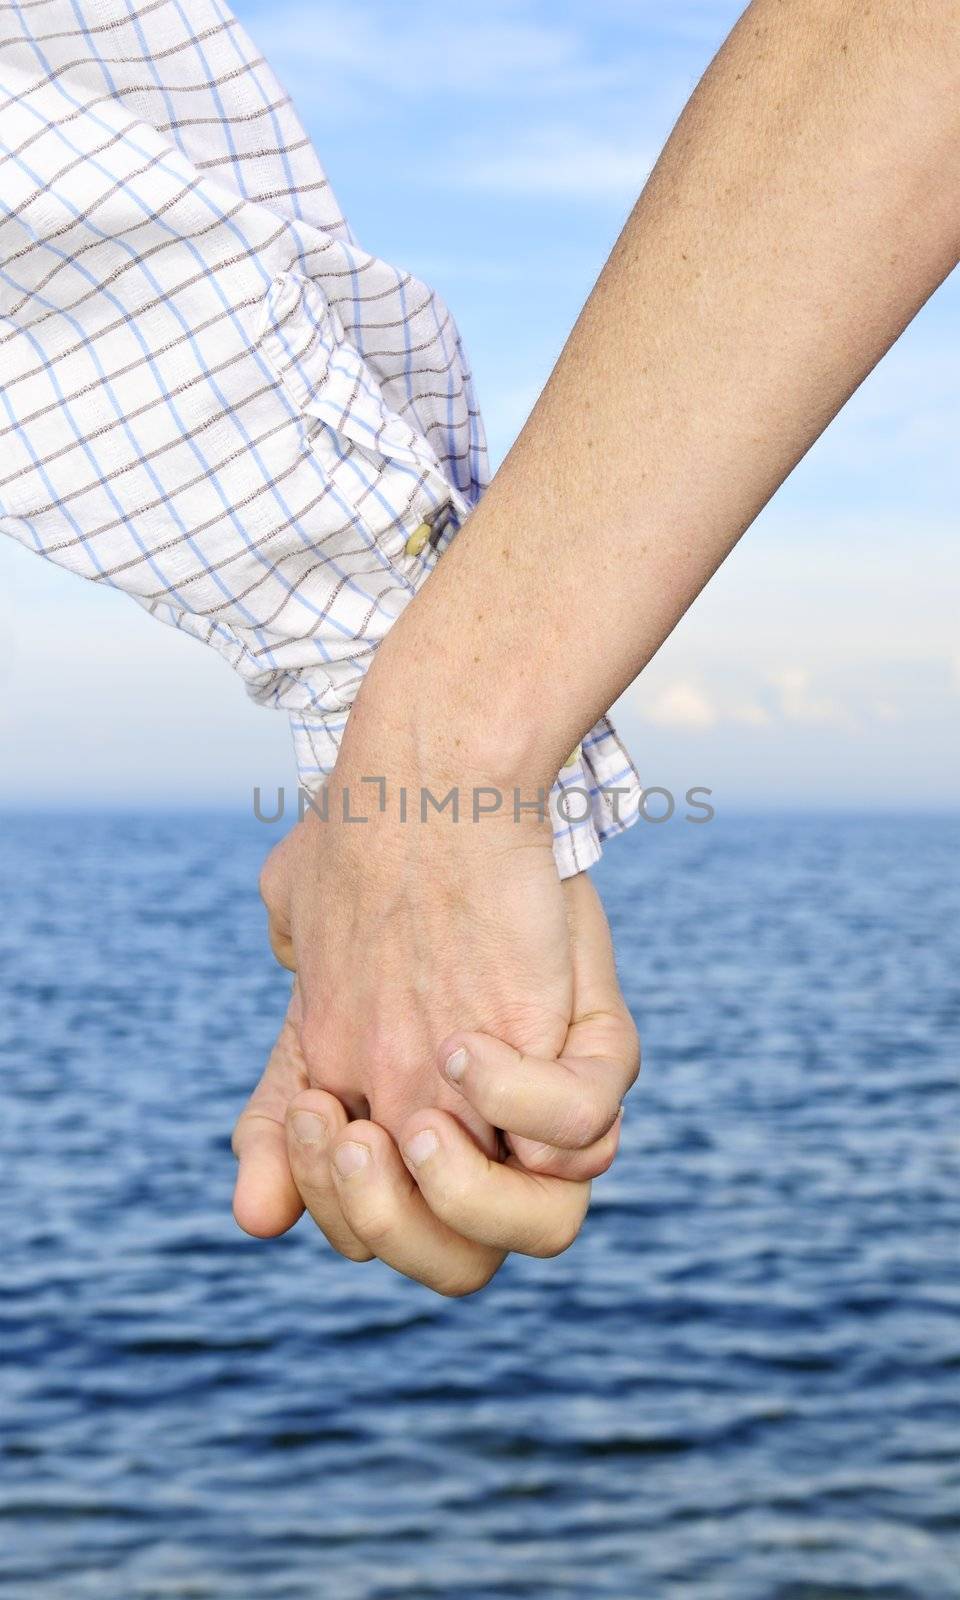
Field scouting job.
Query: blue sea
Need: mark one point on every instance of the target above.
(742, 1383)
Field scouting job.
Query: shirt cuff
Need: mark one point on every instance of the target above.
(596, 795)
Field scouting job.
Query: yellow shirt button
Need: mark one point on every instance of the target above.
(418, 539)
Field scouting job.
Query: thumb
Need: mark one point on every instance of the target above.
(571, 1102)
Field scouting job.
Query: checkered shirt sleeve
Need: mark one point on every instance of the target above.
(210, 396)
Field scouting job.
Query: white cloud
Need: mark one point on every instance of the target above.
(773, 699)
(853, 698)
(800, 701)
(682, 705)
(688, 705)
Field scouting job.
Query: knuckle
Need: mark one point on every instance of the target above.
(318, 1039)
(588, 1119)
(558, 1236)
(596, 1163)
(450, 1200)
(355, 1252)
(282, 947)
(374, 1224)
(240, 1129)
(495, 1097)
(463, 1283)
(633, 1052)
(540, 1157)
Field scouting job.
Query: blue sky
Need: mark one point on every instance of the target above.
(497, 154)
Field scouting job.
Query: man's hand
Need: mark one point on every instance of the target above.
(446, 1213)
(403, 931)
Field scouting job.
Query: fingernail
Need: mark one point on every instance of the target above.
(421, 1147)
(308, 1128)
(456, 1065)
(350, 1158)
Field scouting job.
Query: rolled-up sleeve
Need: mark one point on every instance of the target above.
(210, 396)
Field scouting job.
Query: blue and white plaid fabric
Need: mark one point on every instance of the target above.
(210, 396)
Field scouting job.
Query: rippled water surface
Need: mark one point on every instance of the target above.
(742, 1383)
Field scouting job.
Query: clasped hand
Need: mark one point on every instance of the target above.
(451, 1069)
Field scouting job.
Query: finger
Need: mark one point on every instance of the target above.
(497, 1204)
(314, 1121)
(571, 1102)
(386, 1210)
(574, 1103)
(602, 1028)
(266, 1201)
(595, 983)
(579, 1165)
(601, 1038)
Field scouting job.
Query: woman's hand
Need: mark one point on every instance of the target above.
(444, 1212)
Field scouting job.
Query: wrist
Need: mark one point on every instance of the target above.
(420, 755)
(438, 738)
(450, 710)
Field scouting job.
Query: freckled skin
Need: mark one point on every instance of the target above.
(749, 294)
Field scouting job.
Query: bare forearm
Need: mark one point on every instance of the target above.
(806, 205)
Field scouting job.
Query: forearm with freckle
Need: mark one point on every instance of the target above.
(804, 208)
